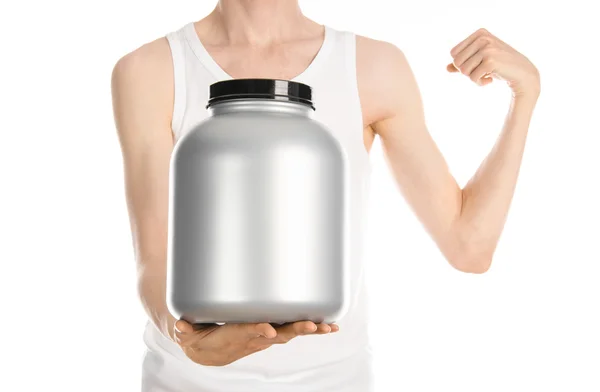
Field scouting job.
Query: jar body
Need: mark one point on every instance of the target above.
(258, 218)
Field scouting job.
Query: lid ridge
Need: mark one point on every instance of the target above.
(276, 89)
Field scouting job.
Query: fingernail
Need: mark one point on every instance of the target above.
(326, 328)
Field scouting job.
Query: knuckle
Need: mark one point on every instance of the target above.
(484, 40)
(301, 330)
(488, 62)
(487, 51)
(483, 31)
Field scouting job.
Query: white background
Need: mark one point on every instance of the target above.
(71, 320)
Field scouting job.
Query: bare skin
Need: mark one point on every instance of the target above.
(276, 41)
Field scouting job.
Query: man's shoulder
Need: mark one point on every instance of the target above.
(142, 88)
(149, 62)
(376, 50)
(382, 69)
(145, 72)
(379, 60)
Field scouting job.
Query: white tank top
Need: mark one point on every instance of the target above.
(335, 362)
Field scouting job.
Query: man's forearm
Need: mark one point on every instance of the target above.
(487, 196)
(152, 289)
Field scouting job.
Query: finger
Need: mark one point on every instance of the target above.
(287, 332)
(205, 326)
(334, 327)
(462, 57)
(482, 73)
(261, 329)
(485, 80)
(183, 332)
(323, 329)
(297, 328)
(451, 68)
(472, 63)
(186, 332)
(467, 41)
(183, 327)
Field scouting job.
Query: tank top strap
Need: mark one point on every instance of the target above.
(338, 70)
(349, 43)
(335, 55)
(337, 83)
(176, 43)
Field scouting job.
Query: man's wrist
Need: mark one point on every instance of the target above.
(524, 101)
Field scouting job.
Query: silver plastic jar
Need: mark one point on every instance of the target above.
(258, 210)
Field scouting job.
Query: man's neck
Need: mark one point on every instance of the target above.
(259, 23)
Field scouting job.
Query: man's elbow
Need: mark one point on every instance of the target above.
(472, 261)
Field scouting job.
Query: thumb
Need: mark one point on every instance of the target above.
(485, 80)
(182, 326)
(451, 68)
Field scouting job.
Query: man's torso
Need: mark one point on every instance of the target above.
(333, 67)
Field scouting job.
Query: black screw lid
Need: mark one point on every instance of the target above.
(277, 89)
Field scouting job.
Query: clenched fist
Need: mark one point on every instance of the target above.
(220, 345)
(484, 57)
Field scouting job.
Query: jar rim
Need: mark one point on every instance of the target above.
(268, 89)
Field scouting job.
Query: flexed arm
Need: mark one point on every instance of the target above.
(465, 223)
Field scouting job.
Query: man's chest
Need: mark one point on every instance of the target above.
(291, 61)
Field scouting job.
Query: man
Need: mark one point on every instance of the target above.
(365, 88)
